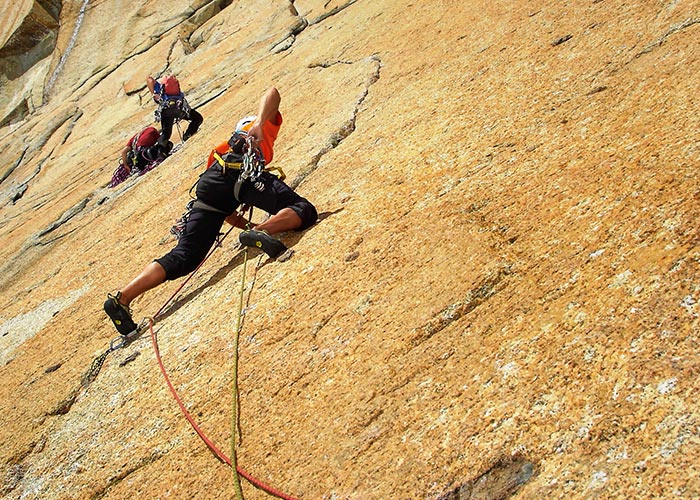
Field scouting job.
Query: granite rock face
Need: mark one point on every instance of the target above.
(28, 36)
(500, 299)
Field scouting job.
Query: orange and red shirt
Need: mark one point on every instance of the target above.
(270, 130)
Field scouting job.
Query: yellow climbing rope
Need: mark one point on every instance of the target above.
(234, 376)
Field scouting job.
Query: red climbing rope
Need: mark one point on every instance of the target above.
(219, 454)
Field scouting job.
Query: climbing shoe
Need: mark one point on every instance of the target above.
(260, 239)
(119, 314)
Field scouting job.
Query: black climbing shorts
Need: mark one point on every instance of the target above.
(215, 188)
(200, 232)
(275, 196)
(203, 226)
(170, 114)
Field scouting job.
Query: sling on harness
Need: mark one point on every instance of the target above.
(235, 164)
(132, 156)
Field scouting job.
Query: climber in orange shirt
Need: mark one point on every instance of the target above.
(221, 189)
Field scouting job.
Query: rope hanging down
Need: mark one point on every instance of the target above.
(214, 449)
(234, 376)
(217, 452)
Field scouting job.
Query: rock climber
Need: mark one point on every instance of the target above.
(141, 153)
(172, 106)
(143, 148)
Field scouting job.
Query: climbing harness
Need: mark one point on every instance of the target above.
(172, 101)
(132, 155)
(233, 165)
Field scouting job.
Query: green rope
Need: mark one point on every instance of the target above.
(235, 404)
(234, 418)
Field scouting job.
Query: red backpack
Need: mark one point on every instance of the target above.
(171, 86)
(146, 138)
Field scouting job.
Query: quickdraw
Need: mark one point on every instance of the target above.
(253, 161)
(253, 167)
(124, 340)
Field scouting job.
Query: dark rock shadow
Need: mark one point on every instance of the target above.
(500, 482)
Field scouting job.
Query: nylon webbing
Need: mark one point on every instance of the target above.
(225, 164)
